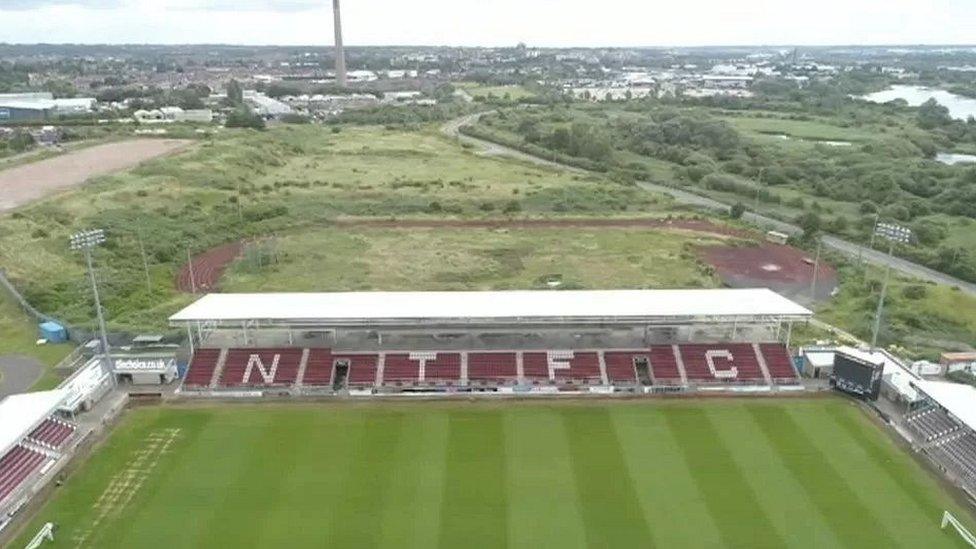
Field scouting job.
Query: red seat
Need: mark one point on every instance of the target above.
(362, 367)
(497, 367)
(444, 367)
(621, 365)
(663, 364)
(778, 362)
(202, 367)
(318, 369)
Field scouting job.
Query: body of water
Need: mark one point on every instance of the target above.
(956, 158)
(959, 107)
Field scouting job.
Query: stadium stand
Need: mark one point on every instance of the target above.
(664, 365)
(202, 367)
(583, 367)
(52, 433)
(695, 358)
(256, 367)
(659, 365)
(621, 365)
(399, 368)
(16, 466)
(960, 451)
(535, 366)
(443, 367)
(931, 423)
(778, 361)
(362, 368)
(318, 370)
(500, 368)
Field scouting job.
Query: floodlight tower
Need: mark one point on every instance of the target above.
(892, 233)
(340, 62)
(85, 241)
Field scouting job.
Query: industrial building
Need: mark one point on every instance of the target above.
(40, 106)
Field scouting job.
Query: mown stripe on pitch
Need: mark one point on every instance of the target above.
(852, 520)
(367, 482)
(899, 471)
(608, 502)
(474, 511)
(730, 500)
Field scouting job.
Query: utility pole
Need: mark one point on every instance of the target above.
(189, 265)
(145, 263)
(758, 188)
(85, 241)
(816, 271)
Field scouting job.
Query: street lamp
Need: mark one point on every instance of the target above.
(85, 241)
(892, 233)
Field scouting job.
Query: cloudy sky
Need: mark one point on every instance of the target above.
(493, 22)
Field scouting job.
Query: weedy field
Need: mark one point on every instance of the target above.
(347, 259)
(241, 184)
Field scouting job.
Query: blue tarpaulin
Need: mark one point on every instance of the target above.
(53, 332)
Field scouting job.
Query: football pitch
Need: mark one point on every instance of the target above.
(648, 473)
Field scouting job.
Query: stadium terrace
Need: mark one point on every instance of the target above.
(525, 341)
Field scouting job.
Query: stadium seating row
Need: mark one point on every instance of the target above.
(16, 466)
(52, 433)
(659, 365)
(931, 424)
(960, 452)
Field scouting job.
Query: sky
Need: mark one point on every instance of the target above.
(558, 23)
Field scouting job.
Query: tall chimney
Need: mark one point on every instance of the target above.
(340, 67)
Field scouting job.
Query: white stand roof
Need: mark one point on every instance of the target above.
(21, 413)
(373, 308)
(957, 398)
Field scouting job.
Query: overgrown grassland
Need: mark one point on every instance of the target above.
(245, 183)
(485, 259)
(734, 473)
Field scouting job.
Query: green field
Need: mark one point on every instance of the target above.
(742, 473)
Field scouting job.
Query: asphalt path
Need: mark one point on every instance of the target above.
(18, 374)
(850, 249)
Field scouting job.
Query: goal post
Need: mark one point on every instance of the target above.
(947, 519)
(45, 533)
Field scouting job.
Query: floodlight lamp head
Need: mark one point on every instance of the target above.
(87, 239)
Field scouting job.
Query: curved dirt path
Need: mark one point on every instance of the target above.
(25, 183)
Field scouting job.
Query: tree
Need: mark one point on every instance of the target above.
(235, 93)
(737, 209)
(811, 224)
(933, 115)
(244, 118)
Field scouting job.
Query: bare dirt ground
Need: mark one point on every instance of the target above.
(29, 182)
(784, 269)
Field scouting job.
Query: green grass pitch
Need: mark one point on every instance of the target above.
(661, 473)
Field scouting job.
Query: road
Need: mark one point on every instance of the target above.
(850, 249)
